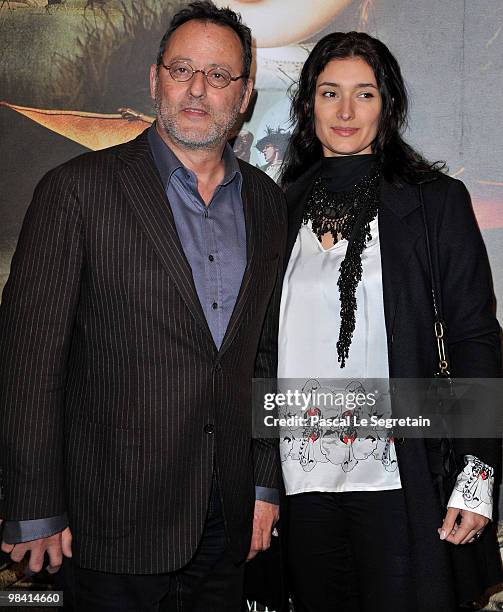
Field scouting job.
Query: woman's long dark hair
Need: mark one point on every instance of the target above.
(400, 162)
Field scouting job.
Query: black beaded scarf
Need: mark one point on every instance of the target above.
(344, 200)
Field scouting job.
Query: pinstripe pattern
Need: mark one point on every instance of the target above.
(110, 372)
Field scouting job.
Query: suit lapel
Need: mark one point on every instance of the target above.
(145, 193)
(248, 282)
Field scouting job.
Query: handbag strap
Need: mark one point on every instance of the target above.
(439, 325)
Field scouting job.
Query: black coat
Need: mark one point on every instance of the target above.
(115, 404)
(442, 572)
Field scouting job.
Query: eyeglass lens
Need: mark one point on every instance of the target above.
(216, 77)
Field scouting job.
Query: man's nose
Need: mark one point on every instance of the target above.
(198, 85)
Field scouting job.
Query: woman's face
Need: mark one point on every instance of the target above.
(347, 107)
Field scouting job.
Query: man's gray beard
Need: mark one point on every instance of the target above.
(217, 134)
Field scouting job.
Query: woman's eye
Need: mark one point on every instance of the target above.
(329, 94)
(366, 95)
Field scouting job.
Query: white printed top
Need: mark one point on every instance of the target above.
(314, 459)
(317, 460)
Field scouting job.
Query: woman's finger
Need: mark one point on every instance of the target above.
(449, 523)
(471, 537)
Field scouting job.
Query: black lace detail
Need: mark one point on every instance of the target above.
(346, 215)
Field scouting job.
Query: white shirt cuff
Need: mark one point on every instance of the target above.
(473, 490)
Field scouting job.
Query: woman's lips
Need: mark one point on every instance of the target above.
(344, 131)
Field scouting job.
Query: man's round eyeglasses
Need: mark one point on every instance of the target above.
(216, 77)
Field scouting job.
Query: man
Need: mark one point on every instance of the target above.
(143, 298)
(273, 146)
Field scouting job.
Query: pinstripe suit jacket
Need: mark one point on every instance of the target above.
(109, 374)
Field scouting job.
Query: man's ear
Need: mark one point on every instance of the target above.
(246, 96)
(153, 81)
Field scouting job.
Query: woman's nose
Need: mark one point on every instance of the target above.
(345, 111)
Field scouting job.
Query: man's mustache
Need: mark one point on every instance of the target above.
(196, 106)
(189, 103)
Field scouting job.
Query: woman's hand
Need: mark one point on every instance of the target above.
(467, 530)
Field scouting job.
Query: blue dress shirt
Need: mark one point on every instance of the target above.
(213, 237)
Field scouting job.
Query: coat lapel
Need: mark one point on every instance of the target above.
(248, 282)
(398, 235)
(296, 196)
(145, 193)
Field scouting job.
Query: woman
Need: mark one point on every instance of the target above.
(365, 528)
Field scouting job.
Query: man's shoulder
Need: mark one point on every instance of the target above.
(252, 174)
(93, 163)
(266, 194)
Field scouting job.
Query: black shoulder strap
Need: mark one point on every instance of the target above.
(439, 326)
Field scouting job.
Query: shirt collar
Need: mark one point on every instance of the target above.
(167, 162)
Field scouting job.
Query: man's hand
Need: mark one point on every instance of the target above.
(265, 516)
(55, 546)
(470, 527)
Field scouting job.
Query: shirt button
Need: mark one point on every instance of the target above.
(209, 428)
(214, 305)
(210, 257)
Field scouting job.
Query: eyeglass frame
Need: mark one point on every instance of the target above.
(205, 73)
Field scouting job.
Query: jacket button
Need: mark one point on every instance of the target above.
(209, 428)
(218, 367)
